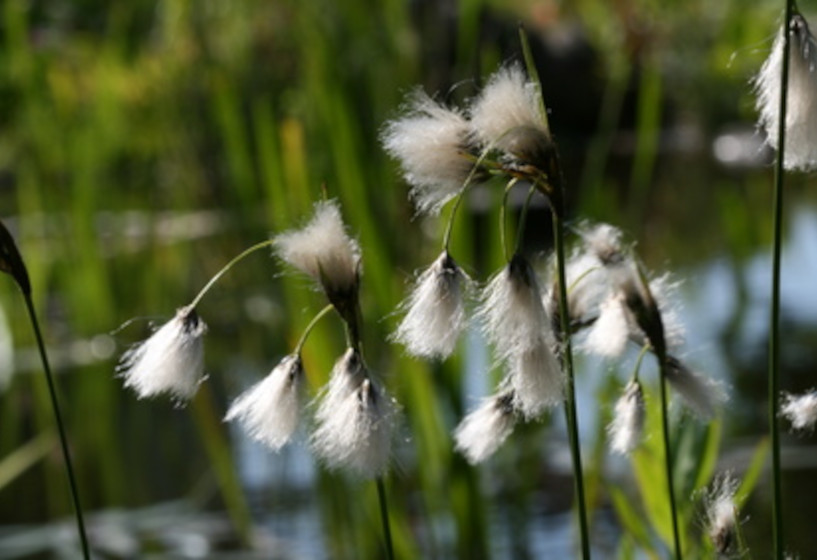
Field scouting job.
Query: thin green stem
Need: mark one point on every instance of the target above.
(384, 517)
(66, 454)
(570, 391)
(503, 219)
(774, 318)
(228, 266)
(449, 228)
(523, 218)
(321, 314)
(676, 536)
(637, 368)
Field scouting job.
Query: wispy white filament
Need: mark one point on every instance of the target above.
(354, 420)
(323, 250)
(587, 285)
(435, 311)
(801, 112)
(537, 380)
(270, 409)
(801, 410)
(430, 141)
(485, 429)
(508, 103)
(626, 429)
(610, 332)
(512, 311)
(170, 361)
(604, 241)
(664, 291)
(721, 514)
(699, 393)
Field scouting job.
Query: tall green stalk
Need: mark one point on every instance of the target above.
(570, 391)
(12, 262)
(556, 198)
(384, 517)
(774, 318)
(676, 536)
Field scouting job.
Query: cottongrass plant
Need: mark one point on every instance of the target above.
(354, 416)
(11, 262)
(171, 360)
(503, 133)
(634, 308)
(786, 98)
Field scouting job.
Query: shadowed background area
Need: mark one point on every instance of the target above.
(145, 143)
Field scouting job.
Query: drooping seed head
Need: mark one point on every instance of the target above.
(170, 361)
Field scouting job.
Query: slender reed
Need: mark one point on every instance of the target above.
(12, 262)
(774, 317)
(557, 212)
(227, 267)
(384, 517)
(676, 537)
(570, 391)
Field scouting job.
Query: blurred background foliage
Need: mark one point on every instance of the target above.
(144, 143)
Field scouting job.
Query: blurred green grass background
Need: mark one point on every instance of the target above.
(144, 143)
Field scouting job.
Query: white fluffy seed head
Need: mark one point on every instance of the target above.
(269, 410)
(610, 332)
(435, 310)
(536, 379)
(800, 410)
(701, 394)
(170, 361)
(627, 427)
(323, 250)
(604, 241)
(801, 111)
(354, 421)
(512, 313)
(485, 429)
(587, 285)
(664, 291)
(431, 143)
(507, 114)
(721, 515)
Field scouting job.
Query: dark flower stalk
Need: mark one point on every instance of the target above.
(11, 262)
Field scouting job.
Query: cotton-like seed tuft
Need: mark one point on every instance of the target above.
(431, 143)
(537, 380)
(354, 421)
(626, 429)
(485, 429)
(801, 111)
(435, 310)
(604, 241)
(721, 515)
(800, 410)
(270, 409)
(323, 250)
(701, 394)
(507, 116)
(170, 361)
(512, 313)
(610, 332)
